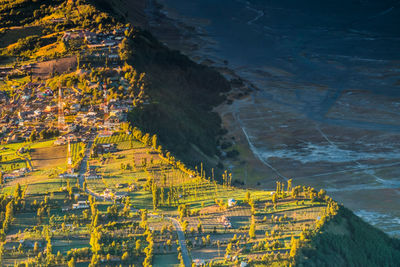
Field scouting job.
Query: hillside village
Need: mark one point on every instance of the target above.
(81, 185)
(34, 107)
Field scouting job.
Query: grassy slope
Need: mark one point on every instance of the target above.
(349, 241)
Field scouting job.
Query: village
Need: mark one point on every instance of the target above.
(31, 109)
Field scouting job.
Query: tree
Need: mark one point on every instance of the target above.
(228, 250)
(294, 246)
(199, 228)
(137, 247)
(18, 191)
(154, 141)
(274, 198)
(143, 222)
(289, 186)
(9, 216)
(59, 257)
(321, 194)
(42, 134)
(185, 225)
(94, 241)
(169, 244)
(2, 235)
(36, 248)
(71, 263)
(156, 196)
(124, 50)
(125, 256)
(95, 260)
(183, 211)
(1, 252)
(252, 229)
(247, 198)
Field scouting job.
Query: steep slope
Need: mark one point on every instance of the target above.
(346, 240)
(182, 95)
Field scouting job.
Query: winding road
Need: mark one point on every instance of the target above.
(182, 242)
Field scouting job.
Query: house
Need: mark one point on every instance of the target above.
(69, 175)
(225, 221)
(37, 112)
(232, 202)
(106, 148)
(75, 107)
(107, 193)
(72, 35)
(51, 108)
(57, 20)
(61, 140)
(80, 205)
(199, 262)
(28, 243)
(120, 195)
(119, 185)
(72, 127)
(90, 37)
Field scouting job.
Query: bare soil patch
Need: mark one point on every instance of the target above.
(61, 65)
(49, 157)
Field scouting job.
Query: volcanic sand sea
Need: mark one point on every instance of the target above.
(325, 102)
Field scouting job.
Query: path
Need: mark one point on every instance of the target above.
(236, 115)
(83, 167)
(182, 242)
(27, 159)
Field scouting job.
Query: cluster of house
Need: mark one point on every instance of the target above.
(64, 139)
(80, 204)
(105, 148)
(15, 174)
(225, 221)
(34, 108)
(23, 113)
(109, 194)
(95, 39)
(101, 45)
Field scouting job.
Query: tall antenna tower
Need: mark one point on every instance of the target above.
(61, 119)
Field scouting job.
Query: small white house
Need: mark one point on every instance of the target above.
(232, 202)
(80, 205)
